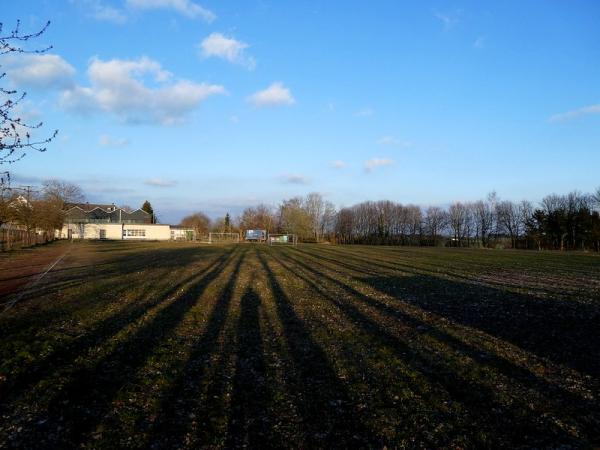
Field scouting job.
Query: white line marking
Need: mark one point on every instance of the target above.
(27, 287)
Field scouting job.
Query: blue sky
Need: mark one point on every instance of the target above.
(217, 105)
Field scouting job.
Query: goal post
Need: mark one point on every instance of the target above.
(283, 239)
(223, 238)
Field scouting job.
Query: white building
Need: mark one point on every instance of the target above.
(86, 221)
(147, 231)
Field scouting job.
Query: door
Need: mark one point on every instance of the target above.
(102, 234)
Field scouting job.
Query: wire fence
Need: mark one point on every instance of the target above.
(11, 239)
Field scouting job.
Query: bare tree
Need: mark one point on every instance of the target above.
(15, 133)
(62, 192)
(199, 222)
(293, 218)
(526, 212)
(509, 220)
(457, 219)
(414, 217)
(436, 220)
(258, 218)
(483, 217)
(596, 198)
(344, 226)
(314, 205)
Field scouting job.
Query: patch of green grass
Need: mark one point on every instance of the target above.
(170, 345)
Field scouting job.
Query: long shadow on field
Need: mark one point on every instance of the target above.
(513, 420)
(562, 331)
(370, 264)
(181, 406)
(367, 262)
(86, 398)
(249, 423)
(130, 263)
(328, 415)
(129, 260)
(102, 330)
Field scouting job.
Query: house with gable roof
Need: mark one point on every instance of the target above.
(95, 221)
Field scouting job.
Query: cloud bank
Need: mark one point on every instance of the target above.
(45, 71)
(119, 87)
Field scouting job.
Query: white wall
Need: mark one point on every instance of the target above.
(154, 232)
(114, 231)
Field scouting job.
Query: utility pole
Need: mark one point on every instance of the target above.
(28, 189)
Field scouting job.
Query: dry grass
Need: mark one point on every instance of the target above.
(150, 345)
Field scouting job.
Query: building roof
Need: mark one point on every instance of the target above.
(88, 212)
(90, 206)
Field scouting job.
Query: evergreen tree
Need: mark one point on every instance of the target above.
(148, 208)
(227, 223)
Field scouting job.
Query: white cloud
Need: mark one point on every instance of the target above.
(338, 164)
(160, 182)
(100, 11)
(109, 141)
(374, 163)
(365, 112)
(40, 71)
(586, 110)
(230, 49)
(275, 95)
(118, 87)
(393, 142)
(184, 7)
(294, 179)
(449, 20)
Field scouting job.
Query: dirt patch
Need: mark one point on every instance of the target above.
(19, 268)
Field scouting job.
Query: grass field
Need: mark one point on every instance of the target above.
(150, 345)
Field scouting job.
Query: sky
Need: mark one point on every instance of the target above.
(218, 105)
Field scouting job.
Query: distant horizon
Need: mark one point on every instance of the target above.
(218, 211)
(226, 106)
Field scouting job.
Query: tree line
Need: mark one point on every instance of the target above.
(42, 209)
(558, 222)
(312, 218)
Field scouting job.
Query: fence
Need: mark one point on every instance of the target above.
(11, 239)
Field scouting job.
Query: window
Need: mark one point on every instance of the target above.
(134, 233)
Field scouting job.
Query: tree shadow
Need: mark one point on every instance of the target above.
(103, 330)
(179, 407)
(96, 277)
(329, 417)
(565, 332)
(249, 423)
(87, 396)
(514, 422)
